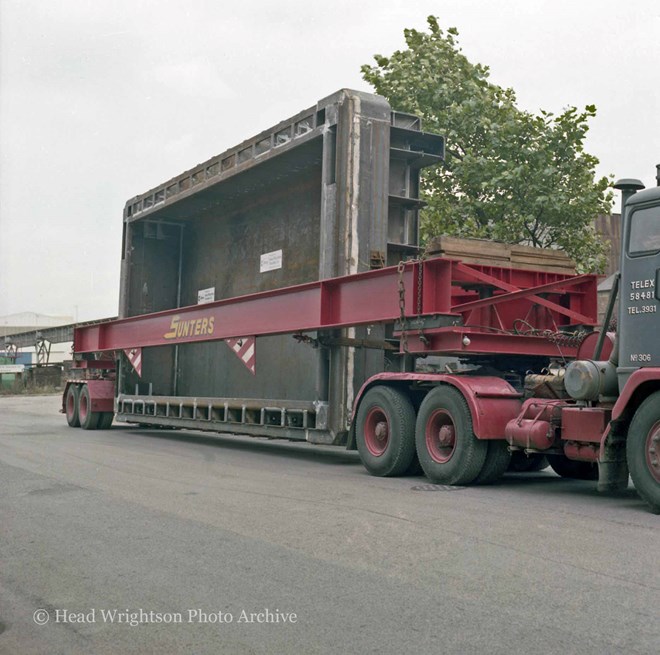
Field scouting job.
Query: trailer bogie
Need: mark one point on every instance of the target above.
(88, 404)
(401, 427)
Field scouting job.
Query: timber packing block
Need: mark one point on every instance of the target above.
(495, 253)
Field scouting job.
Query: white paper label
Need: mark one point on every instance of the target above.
(205, 295)
(270, 261)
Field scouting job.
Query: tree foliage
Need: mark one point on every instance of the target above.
(509, 175)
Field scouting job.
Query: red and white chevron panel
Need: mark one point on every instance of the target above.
(135, 358)
(246, 350)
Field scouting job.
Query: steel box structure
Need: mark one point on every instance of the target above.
(332, 191)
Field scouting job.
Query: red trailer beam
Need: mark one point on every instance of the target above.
(363, 298)
(360, 299)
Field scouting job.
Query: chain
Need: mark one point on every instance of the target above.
(569, 339)
(401, 267)
(419, 286)
(303, 338)
(565, 339)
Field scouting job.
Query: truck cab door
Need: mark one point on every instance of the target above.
(639, 310)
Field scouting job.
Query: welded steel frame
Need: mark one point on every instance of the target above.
(550, 302)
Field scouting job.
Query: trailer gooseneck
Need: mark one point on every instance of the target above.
(265, 292)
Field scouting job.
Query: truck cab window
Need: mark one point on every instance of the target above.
(644, 231)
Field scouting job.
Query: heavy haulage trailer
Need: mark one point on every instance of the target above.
(278, 290)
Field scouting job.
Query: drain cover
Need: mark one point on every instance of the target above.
(435, 487)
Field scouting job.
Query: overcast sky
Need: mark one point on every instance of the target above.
(100, 101)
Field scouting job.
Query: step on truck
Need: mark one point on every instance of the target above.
(279, 290)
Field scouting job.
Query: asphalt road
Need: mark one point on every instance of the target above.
(193, 538)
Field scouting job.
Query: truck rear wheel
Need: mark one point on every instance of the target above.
(385, 431)
(447, 447)
(415, 469)
(498, 458)
(71, 406)
(105, 420)
(88, 419)
(570, 468)
(643, 451)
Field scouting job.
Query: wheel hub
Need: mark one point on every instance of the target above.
(653, 451)
(441, 436)
(376, 432)
(446, 436)
(381, 431)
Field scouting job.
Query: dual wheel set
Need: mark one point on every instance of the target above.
(78, 409)
(393, 439)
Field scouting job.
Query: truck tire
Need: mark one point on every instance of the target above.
(385, 431)
(643, 451)
(570, 468)
(415, 469)
(523, 463)
(71, 406)
(105, 420)
(88, 419)
(498, 458)
(447, 447)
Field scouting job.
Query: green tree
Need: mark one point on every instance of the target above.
(509, 175)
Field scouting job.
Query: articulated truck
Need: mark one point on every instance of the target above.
(279, 290)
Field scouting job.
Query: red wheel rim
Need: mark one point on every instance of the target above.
(82, 407)
(376, 431)
(440, 436)
(652, 450)
(70, 404)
